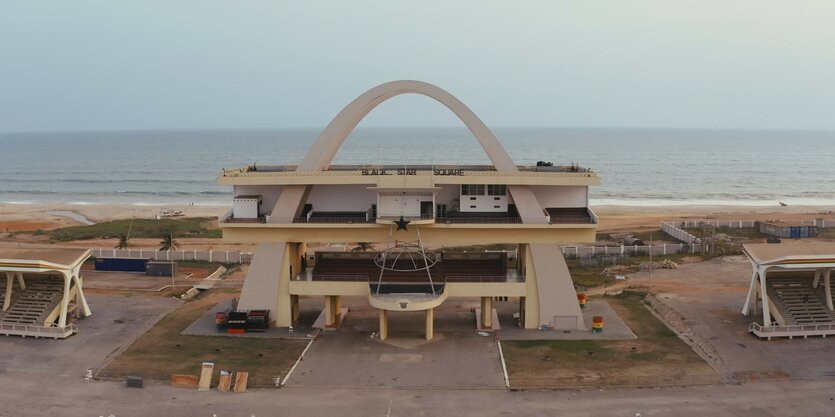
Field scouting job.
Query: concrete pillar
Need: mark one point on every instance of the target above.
(294, 308)
(384, 324)
(430, 323)
(331, 310)
(81, 300)
(20, 281)
(827, 287)
(487, 312)
(752, 295)
(522, 311)
(8, 299)
(817, 278)
(764, 297)
(65, 301)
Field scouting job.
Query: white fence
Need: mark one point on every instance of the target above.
(741, 224)
(227, 257)
(679, 234)
(657, 250)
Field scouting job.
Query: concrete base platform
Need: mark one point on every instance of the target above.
(480, 328)
(205, 326)
(320, 321)
(614, 328)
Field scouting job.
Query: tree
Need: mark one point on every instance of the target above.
(168, 243)
(123, 241)
(363, 247)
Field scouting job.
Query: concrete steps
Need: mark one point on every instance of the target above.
(798, 302)
(32, 305)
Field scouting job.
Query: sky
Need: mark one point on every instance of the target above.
(201, 64)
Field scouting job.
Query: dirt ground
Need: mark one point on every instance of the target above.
(710, 296)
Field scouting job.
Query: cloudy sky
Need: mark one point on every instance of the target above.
(202, 64)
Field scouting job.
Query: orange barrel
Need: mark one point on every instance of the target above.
(581, 298)
(597, 324)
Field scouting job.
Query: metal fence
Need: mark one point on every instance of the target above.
(741, 224)
(635, 250)
(227, 257)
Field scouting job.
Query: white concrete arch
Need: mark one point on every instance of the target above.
(331, 139)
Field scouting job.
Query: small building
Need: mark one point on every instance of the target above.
(793, 230)
(41, 291)
(246, 207)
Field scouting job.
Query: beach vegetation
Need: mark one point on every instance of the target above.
(185, 227)
(168, 243)
(123, 241)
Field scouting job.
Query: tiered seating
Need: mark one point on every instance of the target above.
(362, 268)
(32, 305)
(797, 301)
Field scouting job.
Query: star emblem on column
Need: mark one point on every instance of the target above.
(402, 223)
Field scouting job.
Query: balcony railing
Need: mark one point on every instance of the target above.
(451, 278)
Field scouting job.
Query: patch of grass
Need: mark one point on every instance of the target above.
(163, 350)
(747, 233)
(656, 354)
(195, 227)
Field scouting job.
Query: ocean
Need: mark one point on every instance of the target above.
(636, 166)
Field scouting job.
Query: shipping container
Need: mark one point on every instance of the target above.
(121, 264)
(160, 268)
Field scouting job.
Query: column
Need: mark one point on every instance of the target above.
(294, 308)
(827, 286)
(430, 325)
(487, 312)
(65, 301)
(331, 313)
(764, 298)
(384, 324)
(752, 295)
(20, 281)
(817, 278)
(9, 282)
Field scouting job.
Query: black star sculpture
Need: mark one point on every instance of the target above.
(402, 223)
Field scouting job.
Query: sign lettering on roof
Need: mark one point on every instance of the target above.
(386, 171)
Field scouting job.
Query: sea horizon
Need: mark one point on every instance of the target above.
(637, 166)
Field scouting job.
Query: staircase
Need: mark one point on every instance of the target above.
(32, 305)
(797, 302)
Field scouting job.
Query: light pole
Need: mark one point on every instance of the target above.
(650, 265)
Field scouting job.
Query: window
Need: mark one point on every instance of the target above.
(472, 189)
(496, 190)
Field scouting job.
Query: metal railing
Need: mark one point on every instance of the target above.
(339, 277)
(451, 278)
(38, 331)
(572, 219)
(479, 220)
(229, 257)
(791, 330)
(484, 278)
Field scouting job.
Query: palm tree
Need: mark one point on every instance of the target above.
(168, 243)
(123, 241)
(363, 247)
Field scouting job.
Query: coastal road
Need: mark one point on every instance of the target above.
(44, 395)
